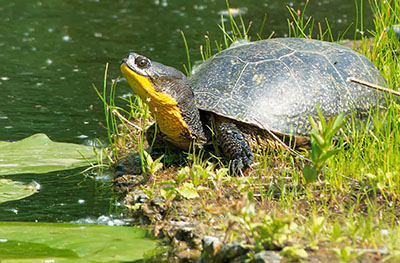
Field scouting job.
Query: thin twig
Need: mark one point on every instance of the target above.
(298, 154)
(373, 86)
(115, 112)
(282, 143)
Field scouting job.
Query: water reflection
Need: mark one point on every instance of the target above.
(63, 196)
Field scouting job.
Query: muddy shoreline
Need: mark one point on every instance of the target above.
(193, 234)
(208, 228)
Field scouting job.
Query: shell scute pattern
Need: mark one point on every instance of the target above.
(279, 82)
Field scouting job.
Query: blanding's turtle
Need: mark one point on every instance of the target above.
(246, 89)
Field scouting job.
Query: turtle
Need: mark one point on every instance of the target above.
(254, 92)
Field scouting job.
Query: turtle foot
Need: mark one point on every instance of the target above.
(235, 147)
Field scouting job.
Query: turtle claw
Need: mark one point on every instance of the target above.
(242, 165)
(235, 147)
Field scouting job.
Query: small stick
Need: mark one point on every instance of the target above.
(282, 143)
(373, 86)
(115, 112)
(298, 154)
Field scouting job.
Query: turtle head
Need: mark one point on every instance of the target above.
(170, 98)
(150, 79)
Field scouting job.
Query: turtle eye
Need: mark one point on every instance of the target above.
(142, 62)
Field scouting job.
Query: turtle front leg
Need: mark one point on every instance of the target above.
(234, 146)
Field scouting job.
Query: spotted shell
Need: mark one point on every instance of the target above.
(276, 84)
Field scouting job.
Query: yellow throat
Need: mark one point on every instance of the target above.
(163, 106)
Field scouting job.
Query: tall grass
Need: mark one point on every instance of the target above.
(125, 126)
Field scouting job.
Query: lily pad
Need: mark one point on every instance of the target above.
(39, 154)
(14, 190)
(57, 242)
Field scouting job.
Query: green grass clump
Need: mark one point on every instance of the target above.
(345, 204)
(126, 134)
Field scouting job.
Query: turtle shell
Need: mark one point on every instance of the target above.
(275, 84)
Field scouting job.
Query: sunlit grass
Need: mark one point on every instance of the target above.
(351, 208)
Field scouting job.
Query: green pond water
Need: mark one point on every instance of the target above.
(52, 51)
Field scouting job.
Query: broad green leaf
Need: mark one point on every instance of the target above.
(13, 190)
(153, 166)
(321, 118)
(38, 154)
(57, 242)
(318, 138)
(188, 191)
(328, 154)
(337, 124)
(310, 174)
(294, 253)
(315, 152)
(313, 123)
(168, 193)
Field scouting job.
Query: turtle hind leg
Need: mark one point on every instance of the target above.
(234, 146)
